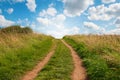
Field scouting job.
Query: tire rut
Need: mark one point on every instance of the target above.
(30, 75)
(79, 72)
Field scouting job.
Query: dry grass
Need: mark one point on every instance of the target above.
(93, 41)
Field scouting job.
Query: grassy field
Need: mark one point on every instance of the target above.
(19, 52)
(60, 65)
(100, 54)
(21, 49)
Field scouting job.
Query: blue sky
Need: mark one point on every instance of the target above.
(63, 17)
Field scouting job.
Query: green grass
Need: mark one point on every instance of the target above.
(60, 65)
(19, 53)
(100, 55)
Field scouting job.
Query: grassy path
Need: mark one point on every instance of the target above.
(32, 74)
(59, 67)
(79, 72)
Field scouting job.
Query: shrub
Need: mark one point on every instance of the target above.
(16, 29)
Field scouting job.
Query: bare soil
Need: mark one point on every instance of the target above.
(79, 72)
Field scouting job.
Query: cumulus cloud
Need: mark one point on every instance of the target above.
(4, 22)
(76, 7)
(91, 25)
(10, 10)
(53, 23)
(31, 5)
(59, 19)
(43, 21)
(102, 12)
(108, 1)
(60, 32)
(49, 12)
(114, 31)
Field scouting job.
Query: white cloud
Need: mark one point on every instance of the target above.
(55, 26)
(31, 5)
(10, 10)
(54, 21)
(108, 1)
(91, 25)
(102, 12)
(76, 7)
(60, 18)
(114, 31)
(49, 12)
(60, 32)
(4, 22)
(43, 21)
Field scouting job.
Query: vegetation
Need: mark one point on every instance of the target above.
(60, 65)
(16, 29)
(100, 54)
(20, 52)
(21, 49)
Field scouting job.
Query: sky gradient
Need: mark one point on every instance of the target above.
(63, 17)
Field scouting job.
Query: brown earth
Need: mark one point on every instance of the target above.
(33, 73)
(79, 72)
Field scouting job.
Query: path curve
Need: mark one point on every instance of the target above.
(79, 72)
(32, 74)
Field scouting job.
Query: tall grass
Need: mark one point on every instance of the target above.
(20, 52)
(100, 54)
(60, 65)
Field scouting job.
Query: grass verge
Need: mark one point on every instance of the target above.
(101, 62)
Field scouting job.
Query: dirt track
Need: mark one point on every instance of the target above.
(32, 74)
(79, 72)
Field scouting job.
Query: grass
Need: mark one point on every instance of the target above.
(20, 52)
(60, 65)
(100, 54)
